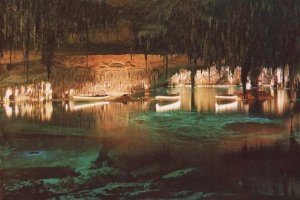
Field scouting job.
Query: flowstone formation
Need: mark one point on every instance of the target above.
(224, 76)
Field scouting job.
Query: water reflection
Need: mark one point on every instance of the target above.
(99, 117)
(279, 105)
(204, 102)
(132, 143)
(72, 106)
(205, 99)
(8, 110)
(226, 107)
(38, 111)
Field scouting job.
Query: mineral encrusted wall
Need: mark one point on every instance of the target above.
(117, 74)
(105, 74)
(224, 76)
(207, 77)
(93, 81)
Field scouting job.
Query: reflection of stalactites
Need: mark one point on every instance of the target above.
(278, 105)
(48, 107)
(8, 95)
(281, 100)
(27, 110)
(246, 108)
(66, 107)
(8, 110)
(269, 106)
(205, 99)
(17, 110)
(42, 112)
(45, 111)
(70, 106)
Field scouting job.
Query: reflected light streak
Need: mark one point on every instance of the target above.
(17, 111)
(8, 110)
(281, 100)
(205, 99)
(168, 107)
(26, 110)
(47, 111)
(279, 105)
(8, 94)
(228, 107)
(74, 107)
(43, 112)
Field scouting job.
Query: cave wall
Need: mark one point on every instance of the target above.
(114, 75)
(213, 76)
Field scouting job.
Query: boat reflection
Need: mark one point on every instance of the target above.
(227, 107)
(231, 107)
(74, 107)
(168, 107)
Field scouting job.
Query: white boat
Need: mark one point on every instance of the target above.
(90, 98)
(168, 107)
(227, 97)
(169, 97)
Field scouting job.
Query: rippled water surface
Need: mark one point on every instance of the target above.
(186, 149)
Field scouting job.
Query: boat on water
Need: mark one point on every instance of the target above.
(227, 97)
(168, 97)
(90, 98)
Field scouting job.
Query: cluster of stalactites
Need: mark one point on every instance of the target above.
(33, 92)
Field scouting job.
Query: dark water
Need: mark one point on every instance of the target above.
(199, 149)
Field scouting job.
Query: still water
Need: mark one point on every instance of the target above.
(200, 149)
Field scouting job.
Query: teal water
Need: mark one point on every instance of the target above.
(182, 149)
